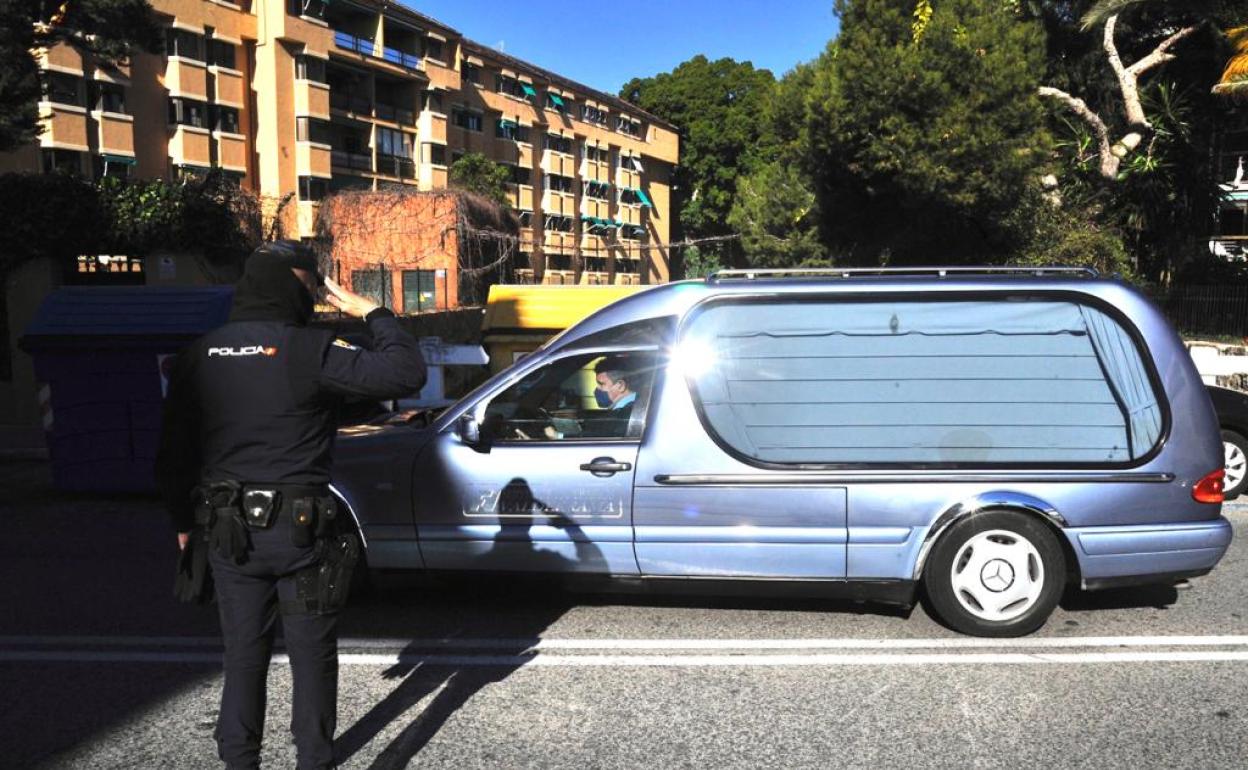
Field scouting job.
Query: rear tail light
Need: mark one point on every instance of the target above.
(1209, 489)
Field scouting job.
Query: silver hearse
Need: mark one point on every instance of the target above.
(989, 436)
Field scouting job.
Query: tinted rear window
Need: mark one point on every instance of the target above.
(959, 382)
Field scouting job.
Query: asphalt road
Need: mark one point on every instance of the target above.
(99, 668)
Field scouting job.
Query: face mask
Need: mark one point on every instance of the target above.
(604, 400)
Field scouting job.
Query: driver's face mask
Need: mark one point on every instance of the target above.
(602, 397)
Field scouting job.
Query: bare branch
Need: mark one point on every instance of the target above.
(1111, 48)
(1161, 54)
(1109, 161)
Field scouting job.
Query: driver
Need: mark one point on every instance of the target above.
(614, 394)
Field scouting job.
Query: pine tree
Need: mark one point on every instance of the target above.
(923, 146)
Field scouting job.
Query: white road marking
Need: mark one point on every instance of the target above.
(656, 652)
(630, 661)
(518, 646)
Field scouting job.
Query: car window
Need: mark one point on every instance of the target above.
(582, 397)
(893, 381)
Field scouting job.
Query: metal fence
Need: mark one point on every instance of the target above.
(1211, 310)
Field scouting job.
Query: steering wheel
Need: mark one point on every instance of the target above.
(529, 414)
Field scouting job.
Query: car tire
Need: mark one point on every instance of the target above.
(996, 574)
(1235, 463)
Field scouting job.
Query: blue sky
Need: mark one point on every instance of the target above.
(641, 37)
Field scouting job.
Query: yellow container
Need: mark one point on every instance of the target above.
(518, 319)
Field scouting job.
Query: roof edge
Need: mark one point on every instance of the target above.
(567, 82)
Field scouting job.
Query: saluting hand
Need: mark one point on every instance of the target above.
(348, 302)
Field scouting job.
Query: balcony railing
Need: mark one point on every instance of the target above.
(385, 111)
(402, 58)
(349, 42)
(353, 160)
(350, 103)
(393, 165)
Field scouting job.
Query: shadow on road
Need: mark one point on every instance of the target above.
(83, 566)
(450, 686)
(1158, 597)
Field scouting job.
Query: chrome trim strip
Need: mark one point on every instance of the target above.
(992, 500)
(921, 477)
(879, 535)
(740, 535)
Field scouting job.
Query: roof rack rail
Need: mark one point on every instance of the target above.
(940, 272)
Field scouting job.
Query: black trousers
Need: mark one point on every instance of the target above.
(248, 596)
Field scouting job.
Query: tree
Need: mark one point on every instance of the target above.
(108, 30)
(1234, 80)
(719, 108)
(922, 150)
(776, 214)
(478, 174)
(1166, 26)
(775, 210)
(1157, 189)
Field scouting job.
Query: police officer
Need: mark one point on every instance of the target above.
(244, 464)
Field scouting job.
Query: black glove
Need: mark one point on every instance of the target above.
(229, 538)
(193, 582)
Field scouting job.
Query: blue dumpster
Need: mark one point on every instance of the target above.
(100, 351)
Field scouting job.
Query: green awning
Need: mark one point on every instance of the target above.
(556, 100)
(125, 159)
(505, 123)
(1235, 195)
(645, 200)
(528, 89)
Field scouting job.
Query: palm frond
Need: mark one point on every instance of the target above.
(1234, 81)
(1103, 9)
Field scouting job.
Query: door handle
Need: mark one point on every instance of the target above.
(605, 466)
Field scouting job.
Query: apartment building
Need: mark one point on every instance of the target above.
(304, 98)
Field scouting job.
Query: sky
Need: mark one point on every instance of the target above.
(639, 38)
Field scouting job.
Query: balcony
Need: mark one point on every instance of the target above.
(232, 152)
(347, 102)
(433, 177)
(403, 59)
(312, 160)
(393, 165)
(229, 88)
(433, 127)
(64, 126)
(558, 163)
(311, 99)
(116, 133)
(187, 78)
(355, 161)
(348, 42)
(383, 111)
(190, 146)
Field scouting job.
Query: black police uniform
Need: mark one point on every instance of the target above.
(254, 402)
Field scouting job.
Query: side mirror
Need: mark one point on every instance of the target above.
(468, 429)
